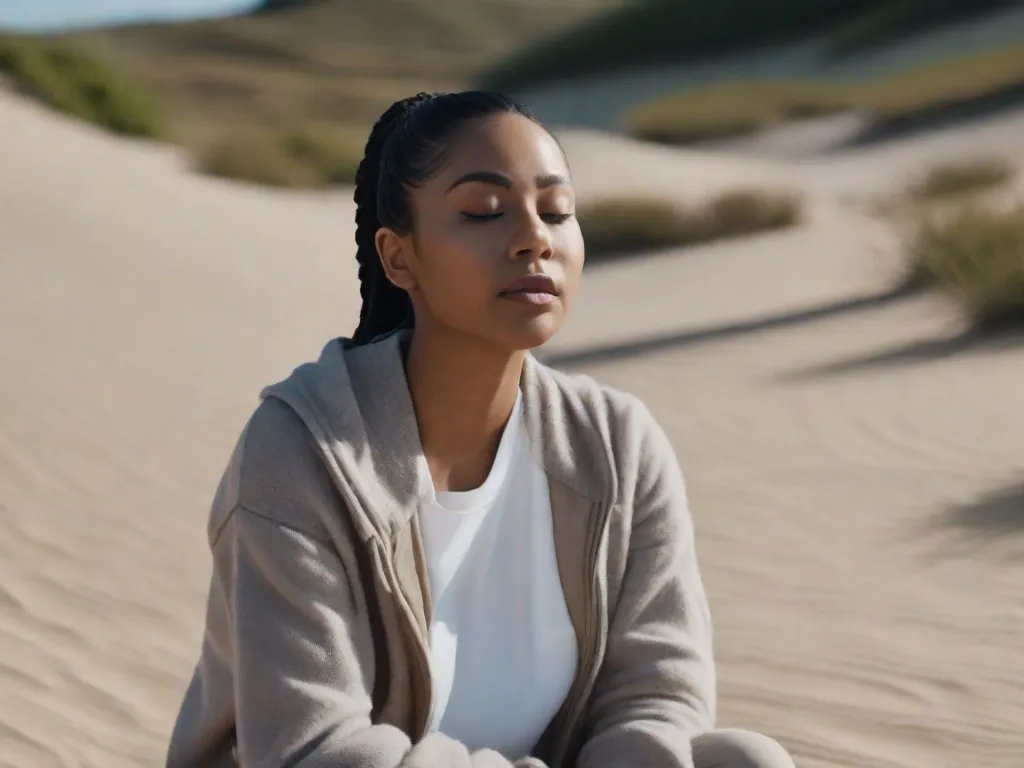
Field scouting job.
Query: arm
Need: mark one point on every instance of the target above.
(303, 661)
(656, 688)
(301, 653)
(295, 619)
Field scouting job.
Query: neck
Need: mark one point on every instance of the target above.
(463, 391)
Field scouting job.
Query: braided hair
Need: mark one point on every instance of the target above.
(407, 146)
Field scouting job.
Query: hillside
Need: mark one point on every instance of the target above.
(331, 60)
(656, 32)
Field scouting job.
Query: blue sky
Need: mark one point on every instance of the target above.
(41, 15)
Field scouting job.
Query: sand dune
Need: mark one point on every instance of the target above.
(857, 476)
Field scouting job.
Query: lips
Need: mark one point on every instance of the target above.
(531, 284)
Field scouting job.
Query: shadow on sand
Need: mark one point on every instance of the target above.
(998, 513)
(631, 349)
(992, 524)
(923, 351)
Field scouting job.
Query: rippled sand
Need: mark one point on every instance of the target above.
(857, 473)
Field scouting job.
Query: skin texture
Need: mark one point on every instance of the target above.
(470, 239)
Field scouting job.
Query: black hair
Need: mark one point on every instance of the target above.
(407, 146)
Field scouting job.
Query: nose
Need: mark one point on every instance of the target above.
(532, 240)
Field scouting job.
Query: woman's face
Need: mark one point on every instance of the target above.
(496, 251)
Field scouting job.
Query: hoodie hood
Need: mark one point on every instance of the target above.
(355, 402)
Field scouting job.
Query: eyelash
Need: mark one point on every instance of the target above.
(551, 218)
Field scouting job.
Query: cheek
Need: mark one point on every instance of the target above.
(455, 270)
(570, 245)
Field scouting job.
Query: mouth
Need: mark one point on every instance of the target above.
(531, 289)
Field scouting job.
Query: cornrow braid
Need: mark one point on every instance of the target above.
(385, 305)
(407, 146)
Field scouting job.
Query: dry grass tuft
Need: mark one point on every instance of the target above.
(626, 224)
(974, 254)
(729, 109)
(308, 157)
(890, 102)
(962, 177)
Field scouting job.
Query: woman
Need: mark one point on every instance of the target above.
(430, 550)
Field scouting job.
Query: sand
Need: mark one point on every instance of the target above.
(856, 471)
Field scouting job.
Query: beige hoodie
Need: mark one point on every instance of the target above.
(315, 653)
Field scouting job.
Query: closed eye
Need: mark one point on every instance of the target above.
(550, 218)
(557, 218)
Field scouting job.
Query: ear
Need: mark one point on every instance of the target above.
(395, 253)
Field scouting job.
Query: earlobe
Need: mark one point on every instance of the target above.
(393, 250)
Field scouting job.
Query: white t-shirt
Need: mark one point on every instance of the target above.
(502, 646)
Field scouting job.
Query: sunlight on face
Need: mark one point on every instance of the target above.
(502, 209)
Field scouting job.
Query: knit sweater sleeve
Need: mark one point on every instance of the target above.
(287, 671)
(303, 660)
(656, 689)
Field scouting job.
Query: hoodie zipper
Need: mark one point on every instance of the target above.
(410, 629)
(597, 620)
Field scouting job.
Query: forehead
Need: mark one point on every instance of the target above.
(508, 144)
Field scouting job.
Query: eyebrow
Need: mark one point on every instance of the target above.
(500, 180)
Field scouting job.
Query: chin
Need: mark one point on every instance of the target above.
(535, 333)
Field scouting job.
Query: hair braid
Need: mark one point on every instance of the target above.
(385, 305)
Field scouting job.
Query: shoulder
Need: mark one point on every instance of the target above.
(618, 452)
(607, 426)
(276, 472)
(594, 405)
(602, 407)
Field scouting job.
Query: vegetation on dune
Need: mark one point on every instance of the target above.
(310, 156)
(729, 109)
(747, 211)
(649, 32)
(919, 90)
(332, 64)
(964, 241)
(975, 255)
(620, 224)
(961, 177)
(76, 83)
(339, 61)
(326, 63)
(638, 223)
(738, 108)
(646, 32)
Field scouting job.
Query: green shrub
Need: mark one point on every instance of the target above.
(621, 224)
(975, 255)
(80, 85)
(961, 177)
(728, 109)
(310, 156)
